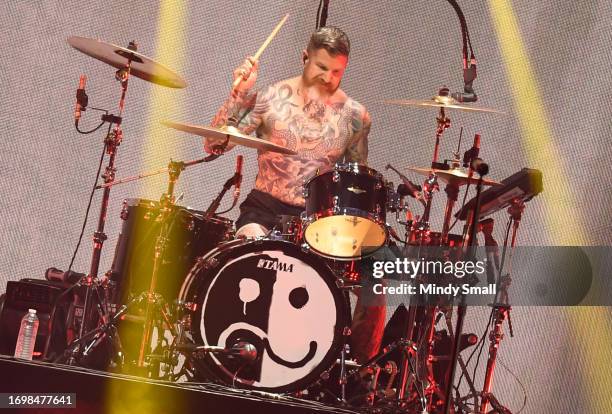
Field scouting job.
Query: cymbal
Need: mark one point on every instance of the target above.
(441, 102)
(234, 134)
(453, 176)
(117, 56)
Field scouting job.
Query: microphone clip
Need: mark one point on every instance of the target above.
(468, 94)
(82, 99)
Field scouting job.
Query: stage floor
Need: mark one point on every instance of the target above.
(101, 392)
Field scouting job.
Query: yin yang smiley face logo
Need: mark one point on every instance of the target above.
(277, 303)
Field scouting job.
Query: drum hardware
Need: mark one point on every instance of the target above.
(343, 374)
(288, 228)
(111, 142)
(173, 165)
(234, 180)
(500, 312)
(167, 215)
(156, 304)
(108, 329)
(129, 62)
(482, 169)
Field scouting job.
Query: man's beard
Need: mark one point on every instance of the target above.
(322, 88)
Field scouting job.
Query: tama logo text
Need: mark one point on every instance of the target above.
(275, 265)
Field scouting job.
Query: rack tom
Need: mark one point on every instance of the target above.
(345, 212)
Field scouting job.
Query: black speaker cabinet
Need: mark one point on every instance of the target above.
(42, 296)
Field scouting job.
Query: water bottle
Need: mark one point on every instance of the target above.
(27, 335)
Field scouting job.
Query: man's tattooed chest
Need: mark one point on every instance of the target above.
(313, 129)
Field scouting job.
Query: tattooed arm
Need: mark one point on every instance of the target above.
(234, 111)
(357, 150)
(242, 109)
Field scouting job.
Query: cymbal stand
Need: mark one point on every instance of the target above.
(430, 186)
(501, 311)
(111, 142)
(444, 123)
(462, 308)
(152, 173)
(452, 194)
(155, 303)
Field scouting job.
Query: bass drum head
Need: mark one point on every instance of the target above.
(275, 297)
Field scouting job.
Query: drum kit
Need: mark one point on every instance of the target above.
(184, 299)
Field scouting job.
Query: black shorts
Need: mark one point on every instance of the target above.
(262, 208)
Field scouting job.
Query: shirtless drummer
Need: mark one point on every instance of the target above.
(311, 115)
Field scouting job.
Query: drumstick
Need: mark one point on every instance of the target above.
(261, 49)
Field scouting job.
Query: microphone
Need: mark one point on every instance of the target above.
(238, 177)
(481, 167)
(469, 74)
(244, 350)
(81, 100)
(408, 187)
(473, 152)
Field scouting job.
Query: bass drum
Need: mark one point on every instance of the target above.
(274, 296)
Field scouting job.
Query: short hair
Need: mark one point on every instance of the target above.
(330, 38)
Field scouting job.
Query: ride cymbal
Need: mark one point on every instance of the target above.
(142, 66)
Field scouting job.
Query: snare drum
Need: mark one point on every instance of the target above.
(346, 212)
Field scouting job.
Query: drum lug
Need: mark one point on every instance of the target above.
(335, 202)
(378, 185)
(190, 306)
(305, 248)
(276, 235)
(190, 225)
(377, 216)
(336, 176)
(346, 331)
(305, 192)
(208, 263)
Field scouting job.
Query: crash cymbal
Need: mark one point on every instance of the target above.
(441, 102)
(455, 176)
(235, 136)
(117, 56)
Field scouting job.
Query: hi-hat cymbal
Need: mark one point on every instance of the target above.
(142, 67)
(454, 176)
(441, 102)
(235, 136)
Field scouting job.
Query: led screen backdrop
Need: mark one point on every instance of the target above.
(546, 64)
